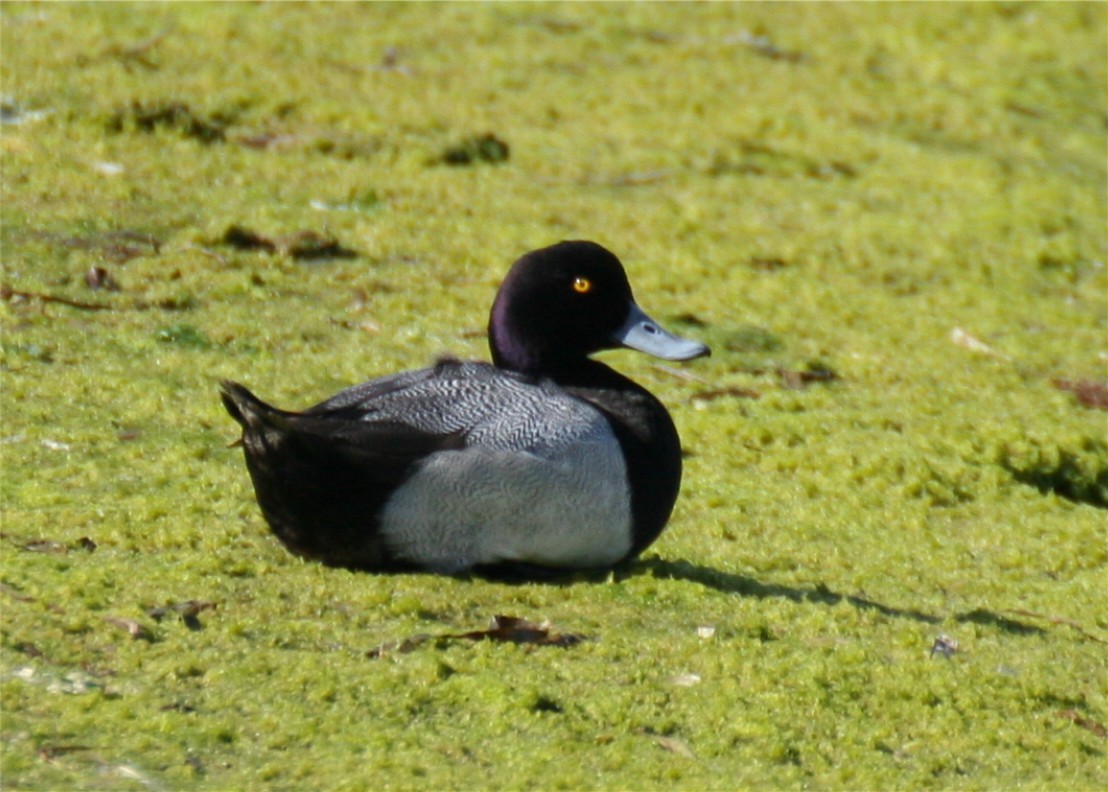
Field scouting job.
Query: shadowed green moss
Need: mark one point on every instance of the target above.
(909, 196)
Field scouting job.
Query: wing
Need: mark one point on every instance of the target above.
(476, 402)
(321, 481)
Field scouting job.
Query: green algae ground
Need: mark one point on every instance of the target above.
(887, 220)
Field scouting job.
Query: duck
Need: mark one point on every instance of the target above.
(543, 461)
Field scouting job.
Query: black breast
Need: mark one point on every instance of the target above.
(651, 448)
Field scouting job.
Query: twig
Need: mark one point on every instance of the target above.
(7, 293)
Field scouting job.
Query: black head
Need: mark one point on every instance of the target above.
(561, 303)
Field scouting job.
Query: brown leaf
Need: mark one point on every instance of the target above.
(313, 245)
(1089, 394)
(513, 629)
(267, 140)
(767, 263)
(1085, 723)
(244, 239)
(795, 380)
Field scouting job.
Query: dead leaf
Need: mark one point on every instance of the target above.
(1088, 393)
(796, 380)
(673, 745)
(313, 245)
(961, 338)
(513, 629)
(133, 628)
(244, 239)
(46, 546)
(1085, 723)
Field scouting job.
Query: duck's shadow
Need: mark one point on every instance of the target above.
(742, 585)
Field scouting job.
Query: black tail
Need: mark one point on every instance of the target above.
(246, 408)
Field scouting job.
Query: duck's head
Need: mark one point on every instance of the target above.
(561, 303)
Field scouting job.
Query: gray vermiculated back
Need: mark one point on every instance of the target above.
(492, 407)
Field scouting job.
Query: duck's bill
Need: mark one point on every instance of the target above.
(644, 334)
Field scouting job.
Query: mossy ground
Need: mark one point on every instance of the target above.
(910, 196)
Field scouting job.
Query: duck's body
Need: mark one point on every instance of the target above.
(546, 459)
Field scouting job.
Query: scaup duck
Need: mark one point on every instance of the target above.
(544, 460)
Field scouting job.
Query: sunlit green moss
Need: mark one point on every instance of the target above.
(911, 197)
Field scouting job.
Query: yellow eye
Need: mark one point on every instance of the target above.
(582, 285)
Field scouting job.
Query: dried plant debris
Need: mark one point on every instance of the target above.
(506, 629)
(767, 263)
(754, 158)
(762, 45)
(303, 245)
(944, 646)
(798, 379)
(52, 547)
(513, 629)
(48, 753)
(16, 296)
(188, 610)
(1089, 394)
(486, 148)
(1085, 723)
(815, 372)
(97, 278)
(719, 393)
(46, 546)
(135, 629)
(674, 745)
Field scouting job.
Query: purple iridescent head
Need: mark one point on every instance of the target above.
(560, 304)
